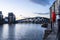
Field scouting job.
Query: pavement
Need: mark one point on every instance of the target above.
(53, 35)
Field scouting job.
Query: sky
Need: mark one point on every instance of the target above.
(26, 8)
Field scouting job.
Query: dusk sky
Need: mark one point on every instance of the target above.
(25, 8)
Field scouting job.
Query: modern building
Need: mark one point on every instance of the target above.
(11, 18)
(1, 18)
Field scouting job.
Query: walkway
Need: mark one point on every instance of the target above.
(53, 35)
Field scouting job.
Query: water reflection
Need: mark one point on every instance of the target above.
(21, 32)
(5, 32)
(1, 31)
(28, 32)
(11, 35)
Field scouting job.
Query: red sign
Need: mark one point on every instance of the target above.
(53, 17)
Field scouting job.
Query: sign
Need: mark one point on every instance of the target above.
(53, 17)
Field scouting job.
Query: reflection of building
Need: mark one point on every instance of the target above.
(11, 32)
(1, 18)
(11, 18)
(1, 31)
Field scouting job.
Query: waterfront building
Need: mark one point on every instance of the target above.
(6, 20)
(1, 18)
(11, 18)
(55, 8)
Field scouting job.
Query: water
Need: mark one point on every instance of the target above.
(21, 32)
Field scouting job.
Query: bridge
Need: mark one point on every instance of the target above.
(34, 20)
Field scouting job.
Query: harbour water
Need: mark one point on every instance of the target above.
(21, 32)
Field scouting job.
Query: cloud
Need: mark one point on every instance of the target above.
(42, 2)
(42, 13)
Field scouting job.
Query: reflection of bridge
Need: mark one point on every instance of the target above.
(34, 20)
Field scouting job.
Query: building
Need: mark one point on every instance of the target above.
(55, 8)
(6, 20)
(11, 18)
(1, 18)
